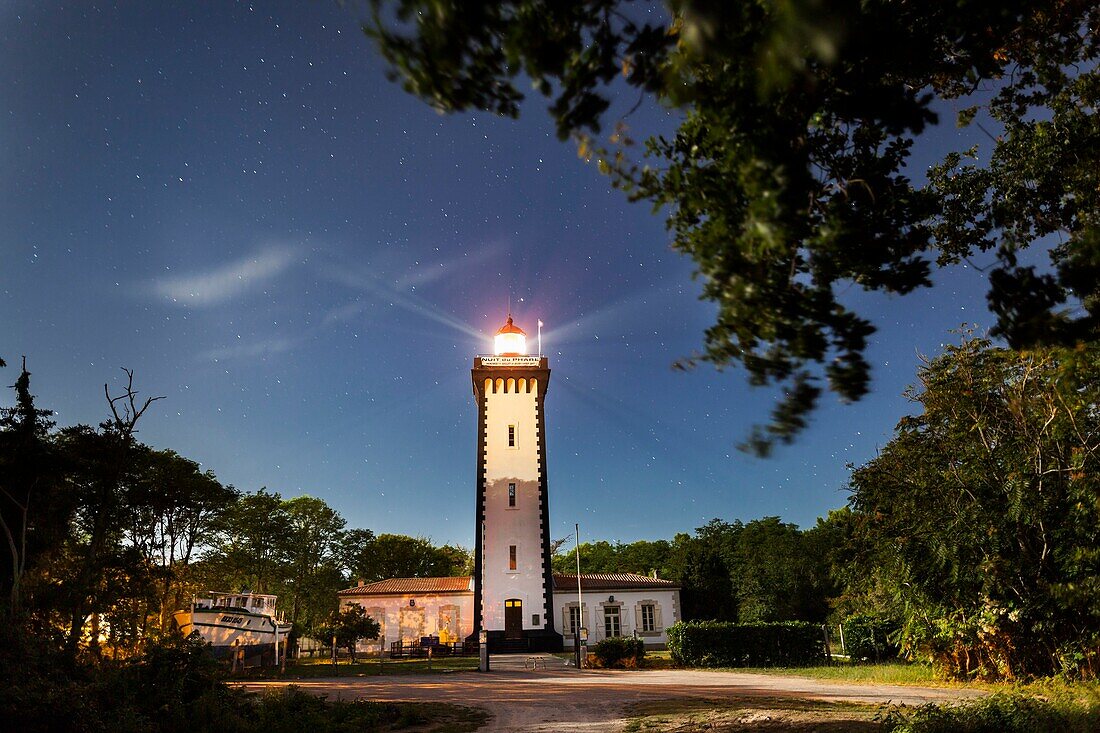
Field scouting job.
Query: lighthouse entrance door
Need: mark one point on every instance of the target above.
(513, 619)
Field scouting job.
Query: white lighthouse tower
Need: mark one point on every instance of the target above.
(513, 580)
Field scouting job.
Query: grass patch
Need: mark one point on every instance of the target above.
(897, 673)
(688, 715)
(890, 673)
(291, 710)
(315, 668)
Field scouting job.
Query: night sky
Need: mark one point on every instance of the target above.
(233, 201)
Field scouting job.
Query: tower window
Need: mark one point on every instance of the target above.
(511, 436)
(511, 494)
(511, 557)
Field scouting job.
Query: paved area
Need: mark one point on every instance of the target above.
(567, 701)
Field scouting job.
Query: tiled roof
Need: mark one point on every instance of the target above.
(397, 586)
(610, 581)
(589, 582)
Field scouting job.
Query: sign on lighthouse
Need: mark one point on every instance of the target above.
(513, 580)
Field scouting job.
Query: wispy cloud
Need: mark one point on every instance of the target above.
(252, 350)
(232, 279)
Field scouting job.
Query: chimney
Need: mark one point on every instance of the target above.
(362, 582)
(655, 573)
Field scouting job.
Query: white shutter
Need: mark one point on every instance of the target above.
(638, 618)
(657, 625)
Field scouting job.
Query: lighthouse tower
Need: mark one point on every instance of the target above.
(513, 580)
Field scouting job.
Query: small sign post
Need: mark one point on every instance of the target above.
(483, 648)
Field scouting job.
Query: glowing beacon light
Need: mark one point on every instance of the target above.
(510, 340)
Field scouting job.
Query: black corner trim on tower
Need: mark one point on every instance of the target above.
(479, 510)
(544, 491)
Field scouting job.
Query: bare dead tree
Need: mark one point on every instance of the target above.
(126, 420)
(557, 544)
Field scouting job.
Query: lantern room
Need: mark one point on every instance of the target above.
(510, 340)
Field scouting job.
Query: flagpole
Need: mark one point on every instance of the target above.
(540, 338)
(580, 602)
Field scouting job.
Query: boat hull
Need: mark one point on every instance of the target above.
(227, 630)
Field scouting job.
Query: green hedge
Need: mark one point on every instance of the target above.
(619, 651)
(722, 644)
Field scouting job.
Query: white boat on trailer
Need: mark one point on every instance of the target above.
(243, 621)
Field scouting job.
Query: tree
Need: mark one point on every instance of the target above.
(981, 517)
(785, 180)
(348, 626)
(780, 575)
(706, 591)
(315, 540)
(399, 556)
(95, 574)
(32, 513)
(250, 545)
(175, 507)
(642, 557)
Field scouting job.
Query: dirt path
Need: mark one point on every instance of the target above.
(567, 701)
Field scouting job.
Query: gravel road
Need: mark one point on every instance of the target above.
(564, 700)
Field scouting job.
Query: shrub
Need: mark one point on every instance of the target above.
(1075, 711)
(868, 638)
(722, 644)
(619, 651)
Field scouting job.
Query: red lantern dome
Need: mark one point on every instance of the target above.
(510, 340)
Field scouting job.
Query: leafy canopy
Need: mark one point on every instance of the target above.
(785, 180)
(981, 516)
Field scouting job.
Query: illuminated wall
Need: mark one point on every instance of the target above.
(512, 503)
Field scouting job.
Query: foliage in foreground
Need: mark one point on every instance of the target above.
(1076, 710)
(980, 520)
(720, 644)
(786, 180)
(173, 687)
(619, 651)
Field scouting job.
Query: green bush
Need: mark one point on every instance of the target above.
(1005, 712)
(619, 651)
(722, 644)
(868, 638)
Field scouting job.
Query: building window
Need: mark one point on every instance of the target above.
(534, 619)
(511, 494)
(378, 614)
(649, 617)
(573, 624)
(448, 624)
(511, 557)
(612, 625)
(511, 436)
